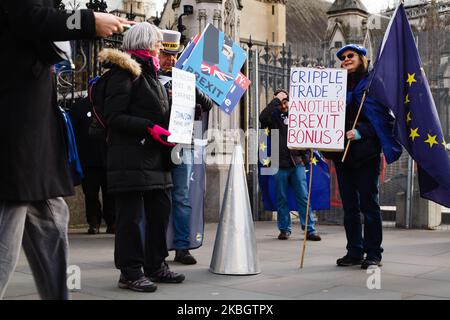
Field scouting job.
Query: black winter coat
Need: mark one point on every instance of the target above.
(272, 118)
(135, 100)
(91, 149)
(33, 142)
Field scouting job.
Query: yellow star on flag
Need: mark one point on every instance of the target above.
(444, 144)
(407, 99)
(414, 134)
(266, 131)
(411, 79)
(408, 117)
(431, 140)
(266, 162)
(263, 147)
(314, 161)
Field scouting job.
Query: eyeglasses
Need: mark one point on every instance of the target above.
(350, 55)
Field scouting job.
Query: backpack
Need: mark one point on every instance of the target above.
(96, 96)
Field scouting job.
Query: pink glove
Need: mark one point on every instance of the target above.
(156, 132)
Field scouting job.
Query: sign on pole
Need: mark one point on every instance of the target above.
(182, 115)
(216, 60)
(317, 99)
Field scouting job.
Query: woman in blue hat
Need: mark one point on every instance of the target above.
(358, 175)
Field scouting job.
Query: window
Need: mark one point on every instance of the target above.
(338, 44)
(273, 36)
(273, 10)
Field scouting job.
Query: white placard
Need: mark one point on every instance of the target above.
(317, 99)
(182, 114)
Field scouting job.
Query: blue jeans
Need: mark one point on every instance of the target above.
(296, 177)
(181, 205)
(359, 193)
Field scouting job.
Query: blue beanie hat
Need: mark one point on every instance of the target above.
(354, 47)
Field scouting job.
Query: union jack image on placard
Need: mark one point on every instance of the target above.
(216, 72)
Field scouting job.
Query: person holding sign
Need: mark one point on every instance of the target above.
(181, 174)
(138, 161)
(358, 174)
(292, 169)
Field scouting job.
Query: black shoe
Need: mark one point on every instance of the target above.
(284, 235)
(313, 237)
(143, 284)
(111, 229)
(93, 230)
(347, 261)
(370, 262)
(166, 276)
(184, 256)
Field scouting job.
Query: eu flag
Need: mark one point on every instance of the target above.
(320, 195)
(399, 82)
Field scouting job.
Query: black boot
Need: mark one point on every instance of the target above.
(184, 256)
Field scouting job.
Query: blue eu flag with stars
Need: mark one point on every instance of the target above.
(399, 82)
(320, 194)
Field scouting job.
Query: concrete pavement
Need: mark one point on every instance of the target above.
(416, 266)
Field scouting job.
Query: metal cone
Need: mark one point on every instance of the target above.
(235, 246)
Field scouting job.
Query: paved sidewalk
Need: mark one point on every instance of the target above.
(416, 266)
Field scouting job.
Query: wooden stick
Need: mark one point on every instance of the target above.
(354, 124)
(307, 208)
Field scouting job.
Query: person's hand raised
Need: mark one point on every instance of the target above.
(106, 24)
(281, 96)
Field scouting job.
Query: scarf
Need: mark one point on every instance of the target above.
(145, 54)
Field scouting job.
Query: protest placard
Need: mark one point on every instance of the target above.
(235, 94)
(216, 62)
(317, 99)
(182, 115)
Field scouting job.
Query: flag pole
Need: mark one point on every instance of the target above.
(307, 208)
(354, 124)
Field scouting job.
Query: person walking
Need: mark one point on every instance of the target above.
(34, 168)
(137, 112)
(291, 172)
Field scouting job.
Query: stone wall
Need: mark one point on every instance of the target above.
(77, 210)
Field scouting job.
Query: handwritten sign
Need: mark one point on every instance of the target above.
(182, 114)
(317, 99)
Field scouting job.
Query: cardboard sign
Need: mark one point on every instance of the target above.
(216, 62)
(317, 99)
(182, 114)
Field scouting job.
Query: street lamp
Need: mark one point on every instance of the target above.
(187, 11)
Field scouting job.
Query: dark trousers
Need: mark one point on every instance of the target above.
(358, 188)
(138, 244)
(94, 180)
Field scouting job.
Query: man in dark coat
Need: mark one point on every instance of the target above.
(34, 171)
(92, 153)
(291, 170)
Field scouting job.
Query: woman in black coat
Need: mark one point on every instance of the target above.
(138, 161)
(34, 171)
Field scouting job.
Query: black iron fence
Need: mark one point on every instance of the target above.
(272, 65)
